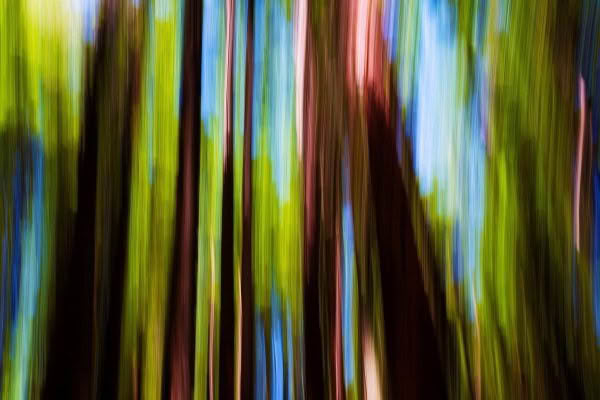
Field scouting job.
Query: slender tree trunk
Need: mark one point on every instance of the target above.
(226, 341)
(179, 361)
(247, 367)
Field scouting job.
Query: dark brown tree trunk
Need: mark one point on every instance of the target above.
(248, 373)
(179, 357)
(313, 345)
(413, 360)
(108, 370)
(69, 358)
(227, 329)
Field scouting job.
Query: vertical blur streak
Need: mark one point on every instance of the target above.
(108, 350)
(362, 8)
(312, 339)
(249, 355)
(581, 131)
(348, 265)
(238, 333)
(211, 246)
(373, 391)
(228, 98)
(337, 323)
(226, 351)
(276, 370)
(185, 254)
(239, 72)
(300, 23)
(31, 262)
(211, 328)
